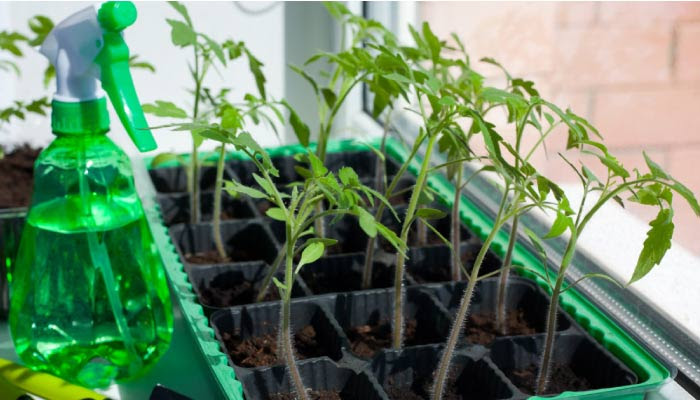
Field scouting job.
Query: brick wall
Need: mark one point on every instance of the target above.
(632, 69)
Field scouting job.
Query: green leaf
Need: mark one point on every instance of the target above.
(180, 8)
(432, 41)
(231, 119)
(215, 48)
(311, 253)
(559, 226)
(135, 63)
(181, 34)
(306, 76)
(611, 162)
(49, 73)
(276, 213)
(233, 188)
(255, 67)
(348, 176)
(329, 97)
(367, 222)
(164, 109)
(301, 130)
(41, 26)
(336, 9)
(658, 241)
(164, 158)
(655, 168)
(215, 135)
(430, 213)
(687, 195)
(264, 184)
(317, 166)
(391, 237)
(448, 101)
(325, 241)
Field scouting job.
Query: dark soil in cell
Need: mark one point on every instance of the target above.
(217, 295)
(366, 340)
(260, 351)
(213, 257)
(562, 378)
(313, 395)
(208, 257)
(319, 282)
(481, 328)
(420, 389)
(17, 177)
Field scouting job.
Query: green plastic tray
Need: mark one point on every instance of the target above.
(650, 372)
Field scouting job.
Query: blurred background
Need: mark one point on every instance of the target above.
(633, 69)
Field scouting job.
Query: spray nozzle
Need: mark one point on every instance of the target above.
(86, 47)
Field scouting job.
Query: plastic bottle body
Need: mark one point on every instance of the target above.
(89, 298)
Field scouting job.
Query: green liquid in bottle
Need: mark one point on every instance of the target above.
(89, 298)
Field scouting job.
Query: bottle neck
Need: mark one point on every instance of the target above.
(79, 118)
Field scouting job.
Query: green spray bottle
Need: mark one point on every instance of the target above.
(89, 298)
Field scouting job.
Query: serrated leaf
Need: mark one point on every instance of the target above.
(367, 222)
(348, 176)
(276, 213)
(611, 162)
(255, 67)
(182, 10)
(317, 166)
(164, 109)
(181, 34)
(658, 241)
(430, 213)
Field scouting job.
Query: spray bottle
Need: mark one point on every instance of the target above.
(89, 298)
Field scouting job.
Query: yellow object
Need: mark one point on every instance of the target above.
(16, 381)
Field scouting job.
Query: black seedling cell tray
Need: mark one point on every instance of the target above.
(584, 360)
(351, 327)
(246, 240)
(524, 300)
(431, 264)
(176, 207)
(228, 285)
(343, 273)
(366, 319)
(174, 179)
(408, 374)
(317, 374)
(240, 324)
